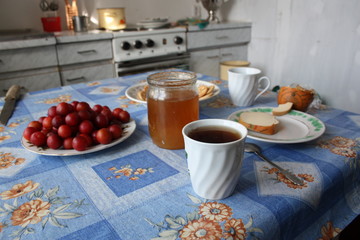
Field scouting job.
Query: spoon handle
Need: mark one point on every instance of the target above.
(287, 174)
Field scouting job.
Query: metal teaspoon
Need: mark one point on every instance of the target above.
(253, 148)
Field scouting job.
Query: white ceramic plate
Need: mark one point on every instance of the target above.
(131, 92)
(128, 130)
(152, 24)
(152, 20)
(294, 127)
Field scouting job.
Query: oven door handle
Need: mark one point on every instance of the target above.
(153, 64)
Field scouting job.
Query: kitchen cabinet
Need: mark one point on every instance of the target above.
(215, 44)
(86, 72)
(31, 80)
(29, 63)
(81, 52)
(83, 58)
(208, 61)
(27, 58)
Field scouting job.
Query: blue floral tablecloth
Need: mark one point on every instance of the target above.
(135, 190)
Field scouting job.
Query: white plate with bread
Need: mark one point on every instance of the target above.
(206, 90)
(287, 127)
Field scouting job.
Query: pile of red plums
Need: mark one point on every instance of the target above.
(76, 126)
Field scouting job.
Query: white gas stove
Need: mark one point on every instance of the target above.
(149, 49)
(131, 45)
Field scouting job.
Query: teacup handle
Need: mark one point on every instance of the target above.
(266, 88)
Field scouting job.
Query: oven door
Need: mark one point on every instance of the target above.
(158, 63)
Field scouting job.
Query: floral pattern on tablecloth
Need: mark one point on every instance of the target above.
(132, 172)
(58, 99)
(6, 132)
(7, 159)
(27, 204)
(129, 172)
(343, 146)
(91, 84)
(219, 102)
(280, 177)
(210, 220)
(108, 90)
(272, 183)
(328, 231)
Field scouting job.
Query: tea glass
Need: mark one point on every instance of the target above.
(244, 84)
(214, 167)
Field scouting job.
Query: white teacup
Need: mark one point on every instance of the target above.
(214, 167)
(244, 84)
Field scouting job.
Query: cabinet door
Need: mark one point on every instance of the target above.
(81, 52)
(233, 53)
(205, 62)
(32, 82)
(218, 38)
(88, 73)
(27, 58)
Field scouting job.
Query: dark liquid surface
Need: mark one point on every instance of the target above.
(214, 134)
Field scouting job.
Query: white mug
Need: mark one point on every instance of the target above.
(244, 84)
(214, 167)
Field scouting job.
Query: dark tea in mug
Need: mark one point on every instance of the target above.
(214, 134)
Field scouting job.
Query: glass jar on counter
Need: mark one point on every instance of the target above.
(172, 103)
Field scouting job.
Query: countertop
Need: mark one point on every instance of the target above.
(71, 36)
(27, 43)
(46, 39)
(227, 25)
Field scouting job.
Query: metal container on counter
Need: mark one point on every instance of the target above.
(80, 23)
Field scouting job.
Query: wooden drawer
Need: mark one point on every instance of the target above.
(87, 73)
(27, 58)
(218, 38)
(84, 52)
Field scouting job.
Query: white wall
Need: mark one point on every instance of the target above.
(315, 43)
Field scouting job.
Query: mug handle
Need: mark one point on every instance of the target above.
(266, 88)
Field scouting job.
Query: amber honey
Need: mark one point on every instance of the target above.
(171, 105)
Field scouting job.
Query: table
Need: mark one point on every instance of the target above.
(135, 190)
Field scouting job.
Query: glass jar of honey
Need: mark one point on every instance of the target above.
(172, 103)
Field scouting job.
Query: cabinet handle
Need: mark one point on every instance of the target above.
(87, 51)
(226, 54)
(222, 37)
(213, 57)
(75, 79)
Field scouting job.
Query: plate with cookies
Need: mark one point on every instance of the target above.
(277, 125)
(206, 91)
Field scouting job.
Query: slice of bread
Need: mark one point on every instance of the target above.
(259, 122)
(282, 109)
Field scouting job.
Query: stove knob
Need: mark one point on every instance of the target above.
(178, 40)
(150, 43)
(138, 44)
(125, 46)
